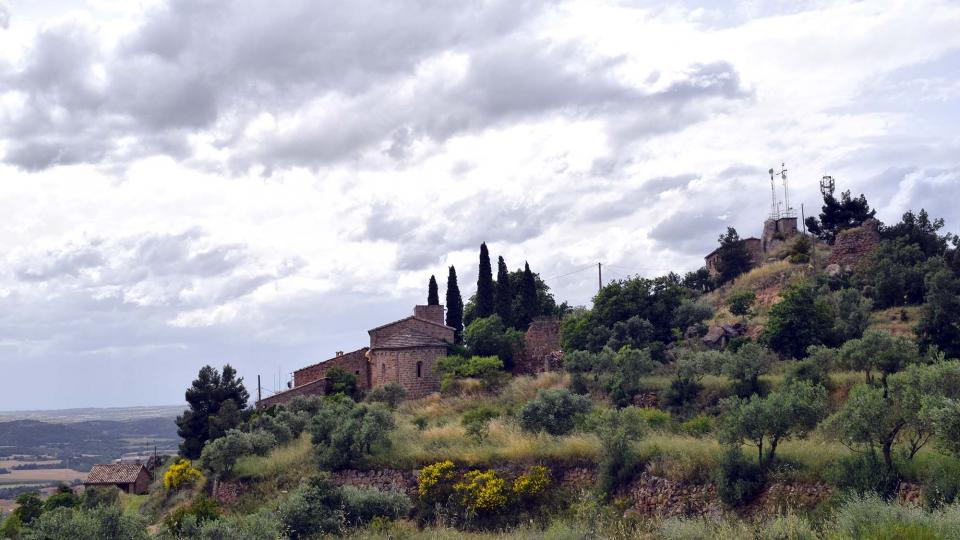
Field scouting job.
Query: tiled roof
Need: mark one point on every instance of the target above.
(410, 339)
(407, 319)
(361, 350)
(116, 473)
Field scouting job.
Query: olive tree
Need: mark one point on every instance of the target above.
(746, 366)
(878, 352)
(791, 410)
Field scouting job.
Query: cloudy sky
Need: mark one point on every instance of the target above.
(186, 182)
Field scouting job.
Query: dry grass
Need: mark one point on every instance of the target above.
(294, 456)
(890, 320)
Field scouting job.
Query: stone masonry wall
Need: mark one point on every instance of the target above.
(400, 366)
(853, 245)
(353, 362)
(315, 388)
(430, 313)
(541, 339)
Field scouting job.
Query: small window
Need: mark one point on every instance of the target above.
(383, 370)
(419, 369)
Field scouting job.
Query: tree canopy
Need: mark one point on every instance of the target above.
(208, 393)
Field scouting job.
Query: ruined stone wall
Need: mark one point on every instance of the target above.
(314, 388)
(854, 245)
(413, 369)
(542, 339)
(353, 362)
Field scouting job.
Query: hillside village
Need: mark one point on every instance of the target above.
(801, 384)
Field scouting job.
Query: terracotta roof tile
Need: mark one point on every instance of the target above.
(410, 339)
(115, 473)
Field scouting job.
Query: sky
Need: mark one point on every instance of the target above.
(191, 182)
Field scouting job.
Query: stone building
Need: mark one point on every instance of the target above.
(403, 352)
(541, 348)
(753, 246)
(854, 245)
(776, 232)
(131, 478)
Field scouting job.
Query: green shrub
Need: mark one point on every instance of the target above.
(102, 522)
(739, 479)
(341, 381)
(220, 455)
(259, 526)
(655, 418)
(476, 422)
(64, 497)
(280, 431)
(553, 411)
(942, 485)
(619, 462)
(345, 433)
(361, 506)
(313, 509)
(202, 509)
(100, 496)
(873, 518)
(864, 474)
(420, 422)
(390, 394)
(295, 421)
(698, 426)
(488, 369)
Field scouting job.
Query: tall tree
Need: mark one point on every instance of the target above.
(837, 215)
(529, 306)
(454, 305)
(504, 297)
(799, 320)
(433, 296)
(485, 300)
(733, 257)
(208, 393)
(940, 317)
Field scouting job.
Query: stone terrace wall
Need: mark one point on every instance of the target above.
(853, 245)
(541, 339)
(352, 362)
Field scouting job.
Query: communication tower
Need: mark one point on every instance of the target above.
(827, 185)
(775, 212)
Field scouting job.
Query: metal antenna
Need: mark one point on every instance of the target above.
(774, 207)
(788, 211)
(827, 185)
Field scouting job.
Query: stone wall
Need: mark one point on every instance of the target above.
(854, 245)
(429, 313)
(352, 362)
(315, 388)
(414, 369)
(541, 340)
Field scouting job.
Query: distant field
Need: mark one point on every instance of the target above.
(7, 463)
(90, 413)
(41, 476)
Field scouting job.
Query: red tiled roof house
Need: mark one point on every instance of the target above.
(130, 477)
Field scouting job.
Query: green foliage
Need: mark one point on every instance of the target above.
(11, 527)
(361, 506)
(655, 418)
(634, 332)
(689, 368)
(919, 230)
(815, 368)
(690, 313)
(433, 295)
(200, 510)
(619, 460)
(454, 305)
(64, 497)
(485, 305)
(878, 352)
(746, 366)
(698, 426)
(227, 418)
(313, 509)
(850, 312)
(259, 526)
(864, 474)
(504, 293)
(278, 426)
(630, 364)
(868, 419)
(764, 422)
(527, 308)
(941, 484)
(838, 215)
(490, 337)
(873, 518)
(553, 411)
(102, 522)
(733, 258)
(939, 324)
(894, 274)
(740, 302)
(210, 391)
(488, 369)
(100, 496)
(654, 300)
(420, 422)
(738, 479)
(799, 320)
(30, 507)
(341, 381)
(219, 456)
(389, 394)
(345, 433)
(575, 330)
(476, 422)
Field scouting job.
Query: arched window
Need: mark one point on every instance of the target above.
(383, 371)
(419, 369)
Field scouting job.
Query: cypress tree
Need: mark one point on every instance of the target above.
(504, 298)
(433, 296)
(454, 305)
(485, 301)
(529, 307)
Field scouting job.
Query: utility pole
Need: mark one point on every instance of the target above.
(259, 397)
(599, 277)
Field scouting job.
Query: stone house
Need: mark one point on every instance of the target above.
(753, 246)
(776, 232)
(403, 352)
(133, 478)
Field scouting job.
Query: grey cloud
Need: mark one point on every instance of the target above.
(69, 261)
(630, 201)
(4, 17)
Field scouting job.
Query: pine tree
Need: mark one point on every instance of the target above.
(485, 301)
(208, 393)
(733, 257)
(433, 296)
(529, 305)
(837, 215)
(504, 297)
(454, 305)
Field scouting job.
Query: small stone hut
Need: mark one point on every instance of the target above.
(133, 478)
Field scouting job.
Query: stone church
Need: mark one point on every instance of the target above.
(403, 352)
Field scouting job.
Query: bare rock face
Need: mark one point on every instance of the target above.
(833, 269)
(717, 336)
(854, 245)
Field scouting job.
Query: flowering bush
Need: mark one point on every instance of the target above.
(434, 481)
(532, 483)
(182, 473)
(481, 491)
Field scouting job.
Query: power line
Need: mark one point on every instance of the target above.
(584, 269)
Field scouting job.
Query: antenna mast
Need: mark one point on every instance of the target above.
(774, 206)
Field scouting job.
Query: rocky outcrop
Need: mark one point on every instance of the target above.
(718, 336)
